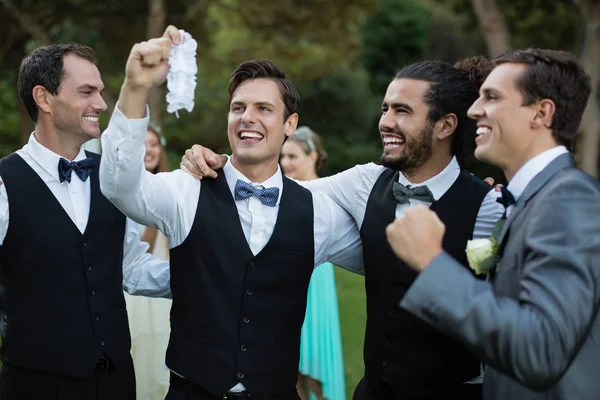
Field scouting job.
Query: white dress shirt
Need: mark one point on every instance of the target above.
(351, 190)
(529, 170)
(142, 273)
(168, 201)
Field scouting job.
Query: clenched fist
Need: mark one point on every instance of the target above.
(147, 66)
(416, 237)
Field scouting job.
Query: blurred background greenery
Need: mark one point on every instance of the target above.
(341, 54)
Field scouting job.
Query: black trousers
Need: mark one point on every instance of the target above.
(182, 389)
(105, 383)
(365, 391)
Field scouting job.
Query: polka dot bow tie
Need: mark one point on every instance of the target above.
(268, 196)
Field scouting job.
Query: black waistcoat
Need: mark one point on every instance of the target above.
(63, 294)
(401, 349)
(237, 317)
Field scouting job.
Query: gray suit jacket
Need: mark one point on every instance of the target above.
(536, 327)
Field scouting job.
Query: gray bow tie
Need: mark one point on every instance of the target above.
(403, 193)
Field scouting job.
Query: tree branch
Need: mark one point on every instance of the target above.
(25, 23)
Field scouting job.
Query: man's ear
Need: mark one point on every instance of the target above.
(42, 98)
(291, 124)
(544, 113)
(447, 126)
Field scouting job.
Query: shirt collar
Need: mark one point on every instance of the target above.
(232, 175)
(440, 183)
(531, 168)
(46, 158)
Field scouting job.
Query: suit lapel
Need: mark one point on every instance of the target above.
(561, 162)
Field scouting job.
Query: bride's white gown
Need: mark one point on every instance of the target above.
(150, 328)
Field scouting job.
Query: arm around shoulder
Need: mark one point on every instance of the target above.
(337, 237)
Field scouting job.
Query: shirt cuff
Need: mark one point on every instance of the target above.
(124, 128)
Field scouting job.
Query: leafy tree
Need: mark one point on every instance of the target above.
(393, 36)
(340, 108)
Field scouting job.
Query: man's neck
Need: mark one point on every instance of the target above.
(60, 144)
(527, 154)
(259, 172)
(429, 169)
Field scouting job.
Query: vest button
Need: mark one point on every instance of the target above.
(385, 363)
(97, 319)
(246, 320)
(101, 343)
(92, 292)
(249, 292)
(243, 347)
(89, 268)
(240, 375)
(84, 244)
(252, 264)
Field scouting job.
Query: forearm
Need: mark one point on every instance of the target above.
(143, 274)
(133, 100)
(529, 341)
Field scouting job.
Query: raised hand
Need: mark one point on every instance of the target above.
(147, 66)
(200, 162)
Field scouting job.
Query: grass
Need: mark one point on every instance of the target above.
(352, 305)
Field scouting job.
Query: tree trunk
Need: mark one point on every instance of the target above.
(156, 25)
(492, 25)
(589, 143)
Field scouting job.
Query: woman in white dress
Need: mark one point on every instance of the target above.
(149, 318)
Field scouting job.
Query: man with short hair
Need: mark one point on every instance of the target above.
(243, 246)
(535, 324)
(66, 253)
(427, 139)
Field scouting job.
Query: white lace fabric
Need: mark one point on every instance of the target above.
(181, 78)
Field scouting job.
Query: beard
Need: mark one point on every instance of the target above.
(417, 150)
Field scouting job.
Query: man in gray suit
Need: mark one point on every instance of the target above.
(535, 321)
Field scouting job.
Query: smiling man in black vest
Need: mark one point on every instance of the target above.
(65, 251)
(427, 138)
(243, 246)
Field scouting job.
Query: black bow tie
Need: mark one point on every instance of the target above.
(403, 193)
(82, 168)
(507, 198)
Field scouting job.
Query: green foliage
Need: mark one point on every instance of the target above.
(308, 42)
(340, 108)
(531, 23)
(9, 118)
(393, 36)
(448, 39)
(546, 24)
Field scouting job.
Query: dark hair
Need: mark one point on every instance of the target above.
(554, 75)
(452, 90)
(261, 68)
(45, 67)
(309, 141)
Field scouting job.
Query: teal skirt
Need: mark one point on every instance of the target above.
(321, 341)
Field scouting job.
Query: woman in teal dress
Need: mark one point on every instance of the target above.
(321, 369)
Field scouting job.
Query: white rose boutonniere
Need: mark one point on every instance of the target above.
(481, 254)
